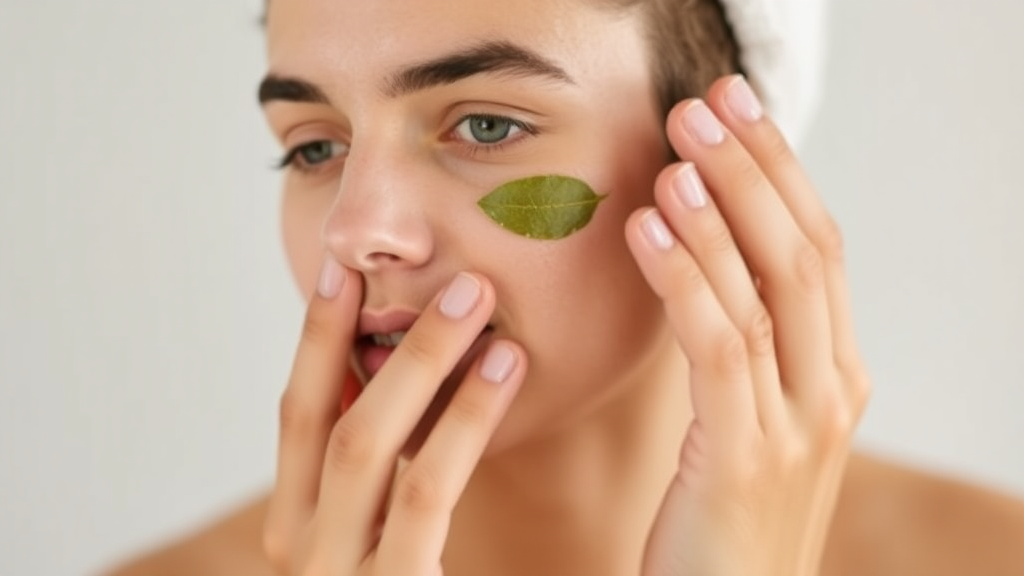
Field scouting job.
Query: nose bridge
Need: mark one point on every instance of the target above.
(378, 220)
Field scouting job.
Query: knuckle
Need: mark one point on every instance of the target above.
(276, 547)
(747, 174)
(834, 423)
(730, 354)
(836, 433)
(831, 244)
(718, 238)
(790, 458)
(808, 268)
(421, 348)
(861, 387)
(470, 411)
(761, 333)
(279, 545)
(294, 417)
(419, 491)
(351, 446)
(686, 277)
(316, 328)
(778, 150)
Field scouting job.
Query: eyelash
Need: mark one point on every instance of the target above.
(473, 149)
(293, 157)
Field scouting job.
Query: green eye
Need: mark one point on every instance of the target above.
(310, 156)
(487, 129)
(318, 152)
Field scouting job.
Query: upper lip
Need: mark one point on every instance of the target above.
(386, 322)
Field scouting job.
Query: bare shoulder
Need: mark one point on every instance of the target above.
(892, 519)
(231, 545)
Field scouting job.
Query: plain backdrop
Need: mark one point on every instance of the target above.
(147, 318)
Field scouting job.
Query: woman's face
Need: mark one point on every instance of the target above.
(405, 114)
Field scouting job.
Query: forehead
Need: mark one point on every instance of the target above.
(364, 40)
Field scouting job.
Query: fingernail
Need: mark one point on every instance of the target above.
(332, 278)
(656, 231)
(499, 363)
(701, 123)
(460, 297)
(689, 187)
(742, 101)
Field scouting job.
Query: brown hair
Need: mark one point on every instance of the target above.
(691, 44)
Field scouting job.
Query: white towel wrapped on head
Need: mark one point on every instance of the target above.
(782, 49)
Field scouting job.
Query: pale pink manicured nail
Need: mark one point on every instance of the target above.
(656, 231)
(742, 101)
(332, 278)
(499, 363)
(460, 297)
(689, 187)
(702, 124)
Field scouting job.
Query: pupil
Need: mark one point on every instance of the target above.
(490, 130)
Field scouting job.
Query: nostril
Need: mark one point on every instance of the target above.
(382, 256)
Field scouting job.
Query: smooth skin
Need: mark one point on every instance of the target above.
(761, 463)
(721, 318)
(776, 380)
(329, 522)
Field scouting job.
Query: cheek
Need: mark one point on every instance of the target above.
(302, 218)
(585, 313)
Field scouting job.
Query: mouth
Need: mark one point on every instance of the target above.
(372, 350)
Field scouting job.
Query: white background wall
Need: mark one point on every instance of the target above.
(147, 319)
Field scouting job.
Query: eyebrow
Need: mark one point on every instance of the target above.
(493, 57)
(275, 87)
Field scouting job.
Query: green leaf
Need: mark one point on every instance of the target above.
(542, 207)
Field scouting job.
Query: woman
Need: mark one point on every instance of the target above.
(548, 399)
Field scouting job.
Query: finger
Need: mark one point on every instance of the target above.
(720, 386)
(310, 406)
(739, 109)
(786, 262)
(366, 441)
(692, 215)
(427, 490)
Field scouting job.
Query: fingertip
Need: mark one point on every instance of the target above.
(675, 126)
(336, 283)
(719, 88)
(633, 225)
(499, 362)
(332, 278)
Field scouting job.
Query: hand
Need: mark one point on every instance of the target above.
(329, 512)
(753, 285)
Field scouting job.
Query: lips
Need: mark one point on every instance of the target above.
(371, 324)
(377, 337)
(380, 334)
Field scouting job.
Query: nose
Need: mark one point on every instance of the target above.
(379, 218)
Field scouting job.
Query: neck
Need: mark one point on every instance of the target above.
(582, 500)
